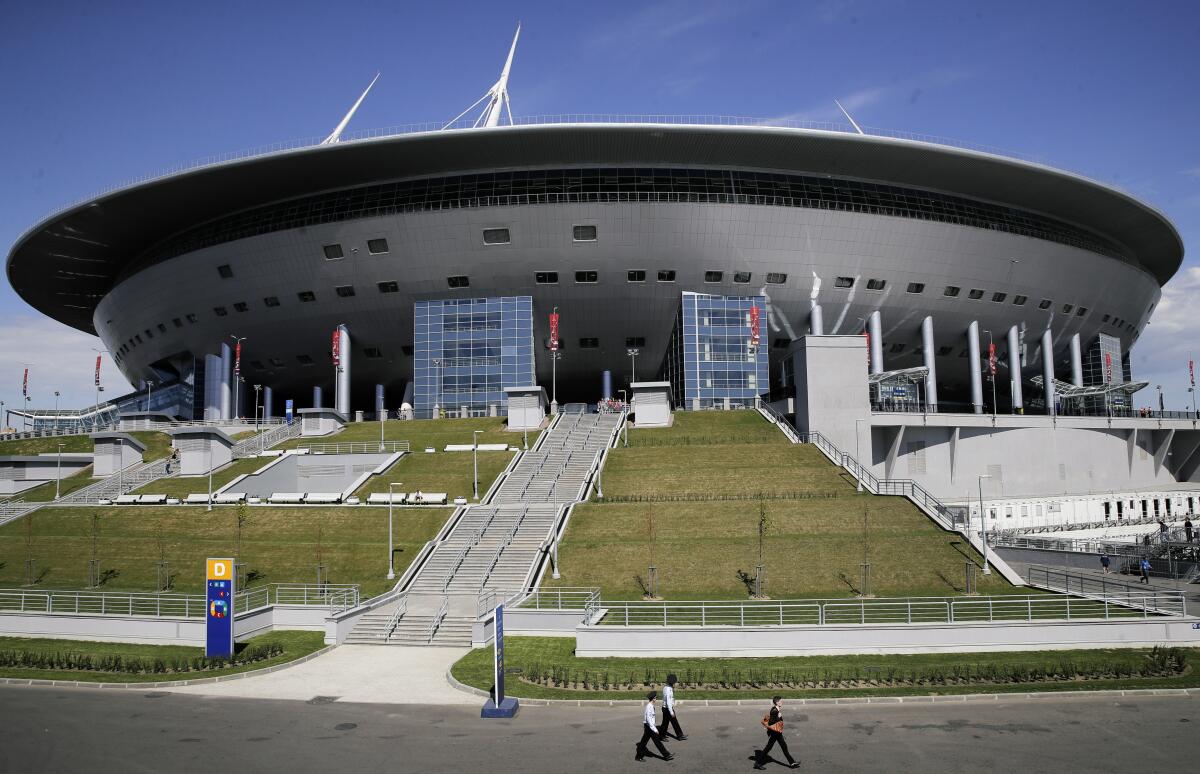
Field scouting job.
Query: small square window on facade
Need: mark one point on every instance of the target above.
(344, 291)
(713, 276)
(1045, 303)
(975, 294)
(372, 353)
(191, 317)
(943, 351)
(304, 359)
(496, 236)
(636, 275)
(843, 282)
(635, 341)
(589, 343)
(587, 277)
(333, 252)
(1019, 300)
(876, 284)
(458, 281)
(137, 337)
(377, 246)
(271, 301)
(225, 270)
(1067, 308)
(149, 335)
(177, 322)
(306, 295)
(220, 311)
(741, 277)
(915, 287)
(951, 290)
(666, 275)
(1081, 311)
(776, 278)
(545, 277)
(277, 362)
(896, 349)
(999, 297)
(391, 286)
(583, 233)
(1105, 318)
(162, 328)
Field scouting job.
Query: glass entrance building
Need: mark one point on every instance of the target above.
(466, 351)
(713, 355)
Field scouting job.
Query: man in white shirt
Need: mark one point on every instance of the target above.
(650, 731)
(669, 710)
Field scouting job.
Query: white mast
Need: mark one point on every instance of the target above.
(336, 136)
(497, 96)
(857, 128)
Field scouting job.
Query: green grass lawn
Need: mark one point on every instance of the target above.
(707, 428)
(32, 446)
(282, 545)
(182, 486)
(534, 655)
(45, 492)
(421, 433)
(449, 472)
(295, 644)
(158, 445)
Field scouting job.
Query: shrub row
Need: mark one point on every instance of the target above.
(138, 665)
(1160, 662)
(693, 497)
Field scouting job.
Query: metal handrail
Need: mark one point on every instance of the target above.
(1109, 589)
(358, 447)
(437, 619)
(394, 620)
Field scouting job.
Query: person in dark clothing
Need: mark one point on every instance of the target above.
(774, 726)
(1187, 528)
(669, 710)
(1104, 561)
(1145, 567)
(650, 731)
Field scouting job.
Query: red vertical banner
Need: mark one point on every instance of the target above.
(1108, 376)
(554, 331)
(25, 384)
(336, 348)
(992, 359)
(867, 336)
(1192, 372)
(237, 359)
(98, 370)
(755, 317)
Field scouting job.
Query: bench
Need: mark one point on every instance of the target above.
(127, 499)
(323, 498)
(294, 498)
(196, 498)
(153, 499)
(427, 498)
(383, 498)
(229, 497)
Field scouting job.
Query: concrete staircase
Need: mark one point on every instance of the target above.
(556, 470)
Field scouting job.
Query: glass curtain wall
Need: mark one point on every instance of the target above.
(711, 357)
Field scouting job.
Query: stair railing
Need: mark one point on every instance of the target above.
(394, 620)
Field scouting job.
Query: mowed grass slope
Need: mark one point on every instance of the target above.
(437, 433)
(182, 486)
(819, 529)
(449, 472)
(283, 545)
(32, 446)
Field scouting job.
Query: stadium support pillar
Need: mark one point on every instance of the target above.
(930, 352)
(226, 382)
(1076, 362)
(1014, 369)
(212, 387)
(267, 405)
(380, 405)
(317, 397)
(976, 369)
(816, 322)
(342, 389)
(606, 385)
(1048, 369)
(875, 333)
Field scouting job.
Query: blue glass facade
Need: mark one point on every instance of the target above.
(711, 356)
(466, 351)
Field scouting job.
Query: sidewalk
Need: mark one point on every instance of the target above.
(1191, 591)
(372, 674)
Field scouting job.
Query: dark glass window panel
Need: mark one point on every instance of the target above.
(496, 236)
(546, 277)
(713, 276)
(390, 286)
(377, 246)
(333, 252)
(306, 296)
(587, 277)
(584, 233)
(636, 275)
(271, 301)
(225, 270)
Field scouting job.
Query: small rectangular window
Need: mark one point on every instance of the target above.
(975, 294)
(1045, 303)
(780, 343)
(495, 236)
(225, 270)
(390, 286)
(876, 284)
(636, 276)
(377, 246)
(587, 277)
(776, 278)
(372, 353)
(278, 363)
(191, 317)
(162, 328)
(666, 275)
(1081, 311)
(344, 291)
(741, 277)
(1105, 318)
(306, 295)
(149, 335)
(241, 306)
(137, 337)
(305, 359)
(713, 276)
(896, 348)
(545, 277)
(1019, 300)
(951, 290)
(333, 252)
(1067, 308)
(635, 341)
(943, 351)
(583, 233)
(999, 297)
(271, 301)
(915, 287)
(459, 281)
(220, 311)
(843, 282)
(589, 343)
(178, 323)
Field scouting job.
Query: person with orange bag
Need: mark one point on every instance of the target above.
(773, 722)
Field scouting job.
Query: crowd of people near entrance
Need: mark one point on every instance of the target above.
(610, 406)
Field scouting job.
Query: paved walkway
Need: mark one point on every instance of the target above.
(366, 674)
(1191, 591)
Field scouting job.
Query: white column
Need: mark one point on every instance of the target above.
(317, 397)
(930, 352)
(976, 370)
(1014, 368)
(1048, 369)
(1076, 362)
(380, 406)
(212, 387)
(875, 330)
(343, 377)
(226, 382)
(816, 320)
(268, 402)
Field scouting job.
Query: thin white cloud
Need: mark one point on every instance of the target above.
(658, 22)
(60, 358)
(862, 99)
(1171, 339)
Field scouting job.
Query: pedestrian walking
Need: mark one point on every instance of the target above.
(650, 731)
(669, 710)
(1162, 528)
(1187, 528)
(1145, 565)
(773, 722)
(1104, 561)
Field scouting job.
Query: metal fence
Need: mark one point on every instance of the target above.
(1148, 600)
(358, 447)
(172, 605)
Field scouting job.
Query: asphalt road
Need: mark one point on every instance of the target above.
(86, 730)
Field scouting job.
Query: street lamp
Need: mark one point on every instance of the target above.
(237, 342)
(149, 393)
(382, 418)
(983, 525)
(475, 456)
(437, 394)
(57, 423)
(625, 405)
(58, 474)
(99, 389)
(391, 552)
(555, 356)
(210, 474)
(1157, 386)
(633, 352)
(257, 390)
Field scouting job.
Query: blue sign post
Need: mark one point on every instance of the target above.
(499, 705)
(288, 410)
(218, 613)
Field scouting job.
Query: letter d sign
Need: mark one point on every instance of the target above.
(219, 609)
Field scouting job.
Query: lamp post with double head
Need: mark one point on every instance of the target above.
(437, 388)
(391, 574)
(58, 474)
(987, 570)
(237, 373)
(633, 352)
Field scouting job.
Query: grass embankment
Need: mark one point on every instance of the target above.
(550, 670)
(30, 446)
(45, 492)
(158, 445)
(449, 472)
(294, 645)
(422, 433)
(182, 486)
(279, 545)
(702, 501)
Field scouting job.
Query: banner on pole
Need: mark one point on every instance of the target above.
(1192, 372)
(554, 331)
(337, 348)
(754, 325)
(237, 359)
(992, 359)
(98, 370)
(25, 384)
(499, 652)
(218, 614)
(1108, 367)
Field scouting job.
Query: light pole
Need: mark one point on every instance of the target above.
(625, 405)
(555, 355)
(983, 525)
(382, 418)
(257, 391)
(57, 423)
(3, 415)
(210, 474)
(391, 552)
(237, 372)
(1157, 386)
(149, 394)
(857, 453)
(96, 416)
(991, 374)
(437, 393)
(58, 474)
(633, 352)
(475, 457)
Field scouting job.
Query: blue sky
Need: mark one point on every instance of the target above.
(98, 93)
